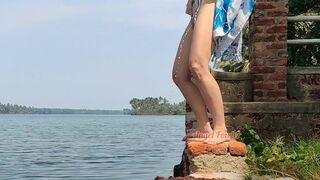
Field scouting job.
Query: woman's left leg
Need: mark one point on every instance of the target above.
(200, 52)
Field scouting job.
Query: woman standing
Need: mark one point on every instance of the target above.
(214, 33)
(192, 60)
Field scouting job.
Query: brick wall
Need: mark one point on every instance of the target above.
(268, 50)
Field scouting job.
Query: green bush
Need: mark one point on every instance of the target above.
(298, 55)
(304, 55)
(229, 66)
(300, 160)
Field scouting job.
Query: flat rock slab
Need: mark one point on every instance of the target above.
(217, 160)
(221, 176)
(184, 178)
(212, 163)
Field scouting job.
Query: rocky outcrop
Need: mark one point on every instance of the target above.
(212, 161)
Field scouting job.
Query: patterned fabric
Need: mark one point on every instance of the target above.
(230, 18)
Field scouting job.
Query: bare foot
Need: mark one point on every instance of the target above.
(195, 134)
(215, 137)
(218, 136)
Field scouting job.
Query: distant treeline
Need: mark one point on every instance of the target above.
(152, 105)
(18, 109)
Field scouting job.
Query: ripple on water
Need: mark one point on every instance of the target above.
(89, 147)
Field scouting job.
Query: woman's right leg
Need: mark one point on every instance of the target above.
(181, 76)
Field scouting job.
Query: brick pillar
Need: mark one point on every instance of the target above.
(268, 50)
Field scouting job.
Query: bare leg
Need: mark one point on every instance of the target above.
(181, 76)
(200, 52)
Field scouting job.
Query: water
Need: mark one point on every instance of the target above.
(117, 147)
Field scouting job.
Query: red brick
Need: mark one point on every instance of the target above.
(264, 37)
(279, 74)
(275, 13)
(258, 77)
(276, 62)
(277, 45)
(237, 148)
(264, 85)
(279, 93)
(259, 46)
(282, 37)
(259, 29)
(259, 13)
(278, 29)
(281, 21)
(264, 54)
(257, 62)
(264, 69)
(263, 22)
(264, 5)
(282, 85)
(258, 93)
(198, 148)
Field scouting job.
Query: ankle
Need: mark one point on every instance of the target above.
(205, 128)
(220, 129)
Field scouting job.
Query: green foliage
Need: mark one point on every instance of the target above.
(304, 55)
(229, 66)
(298, 55)
(273, 157)
(252, 140)
(18, 109)
(151, 105)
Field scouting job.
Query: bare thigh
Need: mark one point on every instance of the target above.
(202, 44)
(180, 69)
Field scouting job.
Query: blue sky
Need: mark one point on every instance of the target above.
(95, 54)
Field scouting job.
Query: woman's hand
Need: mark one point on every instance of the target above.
(189, 8)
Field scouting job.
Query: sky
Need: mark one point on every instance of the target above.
(89, 54)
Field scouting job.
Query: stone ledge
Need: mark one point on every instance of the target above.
(235, 148)
(272, 107)
(303, 70)
(206, 176)
(231, 76)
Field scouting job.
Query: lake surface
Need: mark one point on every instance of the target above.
(117, 147)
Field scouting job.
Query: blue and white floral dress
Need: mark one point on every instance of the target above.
(230, 18)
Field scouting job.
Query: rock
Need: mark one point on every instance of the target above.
(198, 148)
(237, 148)
(212, 163)
(217, 160)
(221, 175)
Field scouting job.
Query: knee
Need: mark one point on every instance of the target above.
(178, 79)
(198, 70)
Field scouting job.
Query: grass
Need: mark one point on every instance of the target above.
(298, 160)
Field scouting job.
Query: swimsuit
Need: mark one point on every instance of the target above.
(230, 18)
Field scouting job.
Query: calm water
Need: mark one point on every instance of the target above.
(89, 146)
